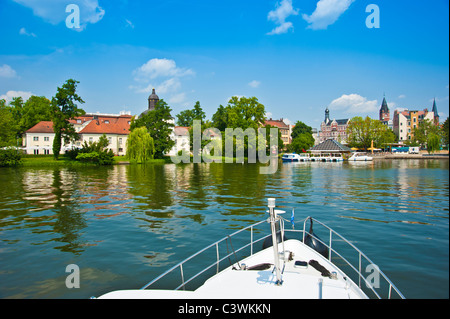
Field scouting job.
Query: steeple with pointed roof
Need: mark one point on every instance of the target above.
(435, 111)
(327, 115)
(384, 111)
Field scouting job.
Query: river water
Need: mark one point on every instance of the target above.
(124, 225)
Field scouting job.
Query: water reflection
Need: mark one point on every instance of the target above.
(148, 217)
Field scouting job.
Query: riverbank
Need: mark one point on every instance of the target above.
(441, 155)
(48, 160)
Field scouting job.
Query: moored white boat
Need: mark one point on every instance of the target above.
(360, 157)
(292, 157)
(300, 266)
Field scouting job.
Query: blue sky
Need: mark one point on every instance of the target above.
(296, 56)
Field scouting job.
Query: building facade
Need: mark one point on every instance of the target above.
(333, 129)
(90, 127)
(285, 129)
(405, 122)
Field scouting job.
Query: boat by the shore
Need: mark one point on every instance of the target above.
(360, 157)
(299, 265)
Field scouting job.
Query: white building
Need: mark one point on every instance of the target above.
(90, 127)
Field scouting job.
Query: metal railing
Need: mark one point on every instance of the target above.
(218, 259)
(227, 239)
(361, 255)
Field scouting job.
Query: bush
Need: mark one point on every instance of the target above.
(10, 157)
(94, 152)
(101, 158)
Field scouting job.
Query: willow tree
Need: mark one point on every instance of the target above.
(140, 145)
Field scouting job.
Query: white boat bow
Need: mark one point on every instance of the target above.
(291, 269)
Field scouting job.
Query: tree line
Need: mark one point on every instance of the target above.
(361, 132)
(240, 112)
(19, 116)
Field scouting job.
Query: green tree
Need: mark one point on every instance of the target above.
(301, 143)
(423, 130)
(361, 132)
(445, 131)
(140, 145)
(245, 112)
(220, 119)
(159, 124)
(300, 128)
(35, 110)
(433, 142)
(64, 108)
(7, 125)
(187, 117)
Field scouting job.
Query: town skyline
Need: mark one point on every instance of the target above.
(296, 63)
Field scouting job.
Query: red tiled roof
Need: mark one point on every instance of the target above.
(181, 130)
(100, 125)
(42, 127)
(276, 123)
(108, 125)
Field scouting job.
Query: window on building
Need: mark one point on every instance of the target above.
(91, 139)
(46, 138)
(106, 122)
(79, 121)
(36, 152)
(46, 151)
(120, 141)
(36, 138)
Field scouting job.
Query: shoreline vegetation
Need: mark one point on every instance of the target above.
(50, 161)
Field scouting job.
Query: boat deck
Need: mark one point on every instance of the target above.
(298, 282)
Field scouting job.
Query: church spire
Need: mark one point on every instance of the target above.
(384, 110)
(435, 111)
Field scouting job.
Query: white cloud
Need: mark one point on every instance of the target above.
(354, 103)
(177, 98)
(283, 10)
(129, 24)
(8, 97)
(164, 76)
(54, 11)
(155, 68)
(7, 72)
(170, 85)
(24, 31)
(327, 12)
(288, 121)
(254, 84)
(401, 96)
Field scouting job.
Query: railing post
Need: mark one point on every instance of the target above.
(217, 252)
(182, 276)
(331, 235)
(251, 241)
(359, 270)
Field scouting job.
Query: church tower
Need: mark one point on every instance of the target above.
(435, 111)
(327, 115)
(384, 111)
(152, 100)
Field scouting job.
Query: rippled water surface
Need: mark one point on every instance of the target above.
(124, 225)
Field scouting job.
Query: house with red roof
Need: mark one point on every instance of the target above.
(90, 127)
